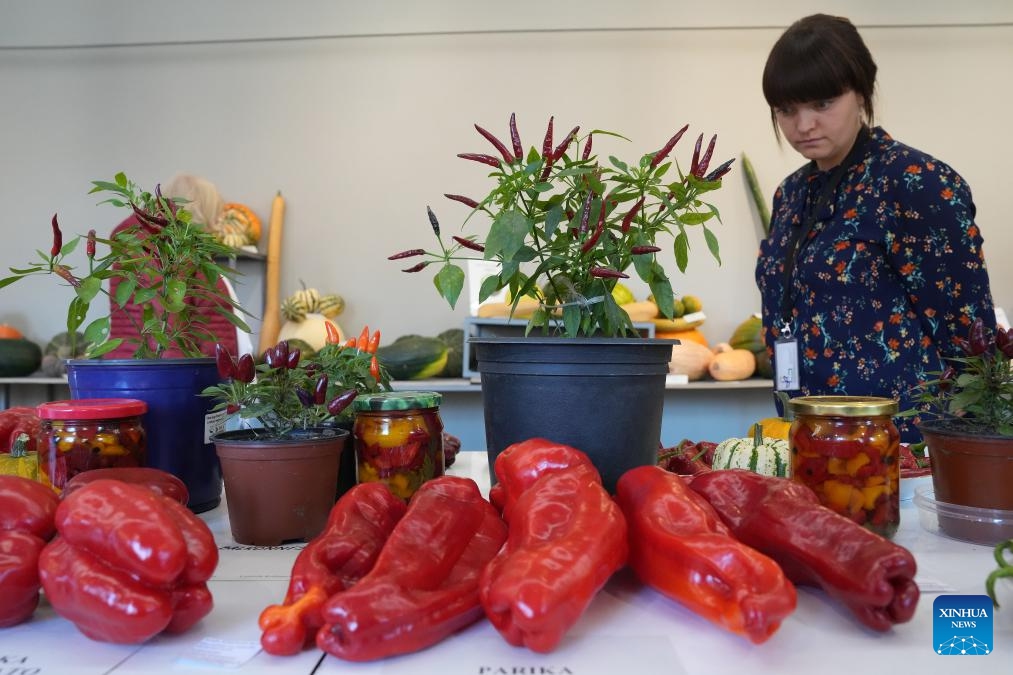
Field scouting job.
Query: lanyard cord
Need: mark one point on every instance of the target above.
(810, 221)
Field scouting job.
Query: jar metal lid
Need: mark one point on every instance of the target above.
(91, 409)
(843, 406)
(396, 400)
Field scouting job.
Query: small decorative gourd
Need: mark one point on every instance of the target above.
(760, 454)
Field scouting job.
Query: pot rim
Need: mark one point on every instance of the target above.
(587, 341)
(260, 437)
(938, 426)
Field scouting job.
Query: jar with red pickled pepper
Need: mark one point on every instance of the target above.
(847, 449)
(94, 433)
(398, 438)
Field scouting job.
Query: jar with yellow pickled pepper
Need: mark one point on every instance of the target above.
(398, 438)
(847, 449)
(94, 433)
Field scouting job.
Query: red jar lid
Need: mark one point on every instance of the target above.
(91, 409)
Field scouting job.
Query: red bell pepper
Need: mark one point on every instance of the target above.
(357, 528)
(18, 420)
(27, 509)
(680, 547)
(162, 482)
(519, 465)
(566, 538)
(129, 563)
(870, 575)
(424, 586)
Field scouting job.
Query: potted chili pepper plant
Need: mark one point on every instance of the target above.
(172, 266)
(967, 424)
(564, 228)
(282, 464)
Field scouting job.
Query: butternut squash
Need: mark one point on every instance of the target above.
(691, 335)
(645, 310)
(731, 364)
(690, 359)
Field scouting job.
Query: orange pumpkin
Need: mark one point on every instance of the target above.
(239, 218)
(692, 335)
(8, 332)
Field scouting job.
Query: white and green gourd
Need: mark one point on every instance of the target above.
(760, 454)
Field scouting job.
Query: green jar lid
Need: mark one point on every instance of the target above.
(843, 406)
(397, 400)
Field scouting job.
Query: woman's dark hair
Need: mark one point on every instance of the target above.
(818, 57)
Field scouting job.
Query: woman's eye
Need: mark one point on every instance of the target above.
(824, 104)
(784, 111)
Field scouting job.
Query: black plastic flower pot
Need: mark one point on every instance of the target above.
(604, 396)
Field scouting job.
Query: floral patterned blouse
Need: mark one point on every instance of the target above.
(890, 273)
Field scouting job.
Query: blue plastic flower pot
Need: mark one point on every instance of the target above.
(179, 422)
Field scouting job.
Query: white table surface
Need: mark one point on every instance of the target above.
(628, 628)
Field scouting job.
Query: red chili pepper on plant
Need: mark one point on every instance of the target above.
(978, 337)
(246, 368)
(628, 218)
(640, 250)
(507, 157)
(338, 404)
(64, 273)
(416, 268)
(223, 359)
(468, 243)
(587, 147)
(410, 253)
(374, 342)
(667, 148)
(598, 229)
(374, 368)
(722, 169)
(89, 248)
(333, 337)
(292, 361)
(561, 148)
(705, 161)
(480, 158)
(320, 390)
(607, 273)
(695, 162)
(57, 239)
(468, 201)
(547, 142)
(515, 138)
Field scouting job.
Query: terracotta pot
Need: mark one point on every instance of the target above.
(971, 471)
(279, 490)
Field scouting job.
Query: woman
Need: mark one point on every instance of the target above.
(877, 240)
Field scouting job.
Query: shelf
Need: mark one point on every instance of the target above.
(460, 384)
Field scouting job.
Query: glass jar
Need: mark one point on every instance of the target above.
(398, 438)
(93, 433)
(846, 448)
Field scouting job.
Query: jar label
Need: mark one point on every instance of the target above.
(214, 423)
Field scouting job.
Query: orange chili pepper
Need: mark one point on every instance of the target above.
(374, 369)
(350, 342)
(332, 333)
(363, 340)
(374, 342)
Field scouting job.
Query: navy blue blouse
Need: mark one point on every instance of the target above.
(892, 271)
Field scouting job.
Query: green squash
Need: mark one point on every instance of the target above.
(414, 357)
(19, 357)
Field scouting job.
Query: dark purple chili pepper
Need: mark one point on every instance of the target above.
(305, 397)
(978, 338)
(722, 169)
(468, 243)
(585, 213)
(561, 148)
(292, 361)
(705, 161)
(547, 143)
(695, 162)
(320, 391)
(223, 359)
(607, 273)
(1007, 350)
(341, 401)
(640, 250)
(57, 239)
(515, 138)
(507, 157)
(964, 345)
(271, 357)
(947, 377)
(663, 153)
(432, 221)
(246, 369)
(477, 157)
(416, 268)
(410, 253)
(147, 218)
(464, 200)
(1002, 337)
(587, 148)
(89, 247)
(598, 229)
(628, 218)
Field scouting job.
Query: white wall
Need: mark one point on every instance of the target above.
(359, 127)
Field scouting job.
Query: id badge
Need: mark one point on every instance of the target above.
(786, 373)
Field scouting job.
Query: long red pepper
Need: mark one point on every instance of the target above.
(468, 243)
(870, 575)
(628, 218)
(598, 229)
(561, 148)
(346, 550)
(424, 585)
(57, 239)
(498, 144)
(680, 547)
(515, 138)
(481, 158)
(667, 148)
(587, 147)
(468, 201)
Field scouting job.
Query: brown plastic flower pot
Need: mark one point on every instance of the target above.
(973, 471)
(279, 490)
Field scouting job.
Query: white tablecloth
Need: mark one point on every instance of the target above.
(627, 629)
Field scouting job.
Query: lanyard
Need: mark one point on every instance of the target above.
(810, 221)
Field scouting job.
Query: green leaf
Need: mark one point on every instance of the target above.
(552, 220)
(97, 331)
(174, 299)
(124, 291)
(69, 247)
(619, 164)
(76, 313)
(144, 296)
(695, 218)
(681, 250)
(449, 282)
(712, 244)
(489, 286)
(506, 235)
(571, 320)
(10, 280)
(104, 348)
(89, 288)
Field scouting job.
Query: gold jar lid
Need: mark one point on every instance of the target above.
(843, 406)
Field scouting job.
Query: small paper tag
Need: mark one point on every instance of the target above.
(221, 652)
(786, 375)
(214, 423)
